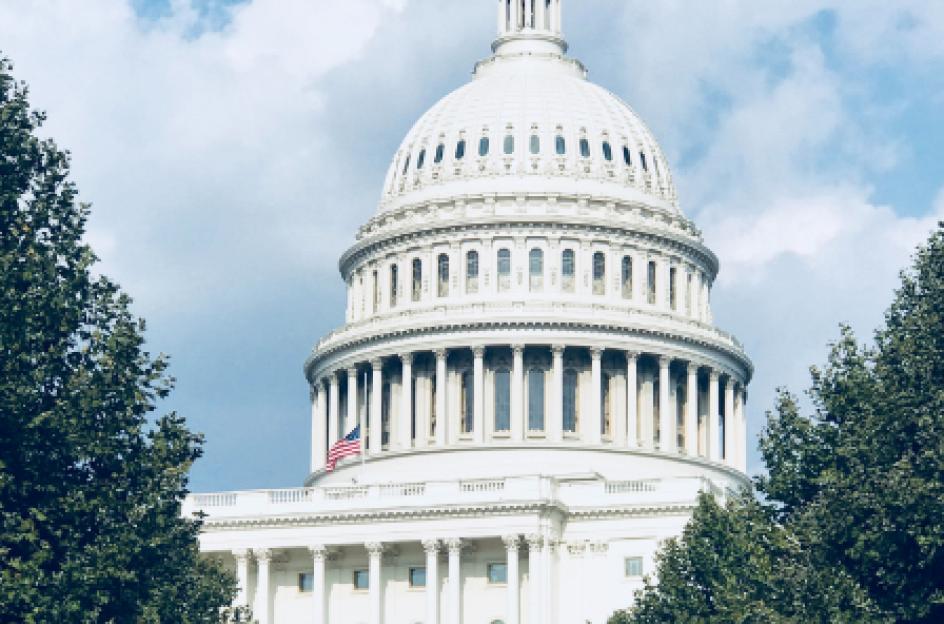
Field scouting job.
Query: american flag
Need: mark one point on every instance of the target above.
(346, 447)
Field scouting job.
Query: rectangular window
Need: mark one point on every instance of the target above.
(417, 577)
(634, 567)
(306, 582)
(497, 574)
(361, 580)
(536, 400)
(651, 298)
(568, 270)
(673, 288)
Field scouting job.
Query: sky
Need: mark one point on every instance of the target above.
(230, 149)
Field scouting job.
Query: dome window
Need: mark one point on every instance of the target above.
(502, 400)
(483, 146)
(509, 144)
(627, 277)
(599, 273)
(421, 160)
(460, 149)
(472, 272)
(394, 285)
(642, 160)
(570, 401)
(568, 270)
(607, 151)
(443, 262)
(535, 144)
(673, 288)
(440, 152)
(627, 156)
(652, 285)
(417, 279)
(585, 148)
(468, 402)
(536, 270)
(406, 164)
(504, 269)
(560, 145)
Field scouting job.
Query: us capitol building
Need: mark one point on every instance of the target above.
(530, 354)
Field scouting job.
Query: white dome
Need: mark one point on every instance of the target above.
(529, 89)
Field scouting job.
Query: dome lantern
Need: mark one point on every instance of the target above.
(529, 27)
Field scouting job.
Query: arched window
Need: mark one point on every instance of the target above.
(560, 145)
(585, 148)
(607, 151)
(406, 164)
(421, 160)
(468, 402)
(651, 295)
(568, 270)
(440, 152)
(472, 272)
(483, 146)
(536, 269)
(535, 399)
(443, 262)
(504, 269)
(535, 144)
(627, 156)
(509, 144)
(599, 273)
(502, 400)
(460, 149)
(570, 401)
(627, 277)
(642, 161)
(673, 289)
(417, 279)
(394, 285)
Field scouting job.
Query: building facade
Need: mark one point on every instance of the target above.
(530, 355)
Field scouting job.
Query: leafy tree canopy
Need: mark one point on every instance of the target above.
(90, 491)
(850, 527)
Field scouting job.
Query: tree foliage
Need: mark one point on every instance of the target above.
(850, 527)
(90, 489)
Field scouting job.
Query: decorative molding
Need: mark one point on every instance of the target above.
(512, 542)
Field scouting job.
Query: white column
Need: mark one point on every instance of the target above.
(527, 14)
(442, 383)
(668, 438)
(242, 577)
(376, 407)
(262, 606)
(730, 424)
(515, 15)
(517, 394)
(455, 581)
(513, 612)
(319, 428)
(593, 433)
(319, 606)
(632, 399)
(375, 587)
(432, 581)
(555, 426)
(405, 425)
(742, 441)
(351, 421)
(478, 394)
(541, 15)
(535, 579)
(334, 408)
(713, 417)
(691, 411)
(502, 16)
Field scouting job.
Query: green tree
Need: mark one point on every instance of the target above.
(90, 489)
(851, 524)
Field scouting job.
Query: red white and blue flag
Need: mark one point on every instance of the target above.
(348, 446)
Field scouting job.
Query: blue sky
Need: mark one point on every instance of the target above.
(231, 149)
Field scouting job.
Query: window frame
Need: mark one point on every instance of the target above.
(484, 146)
(410, 577)
(492, 565)
(304, 587)
(360, 573)
(502, 401)
(626, 567)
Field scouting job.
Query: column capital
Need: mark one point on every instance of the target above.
(632, 356)
(441, 353)
(692, 367)
(478, 352)
(453, 545)
(241, 554)
(374, 549)
(262, 554)
(535, 541)
(333, 380)
(511, 542)
(715, 375)
(664, 361)
(596, 353)
(376, 364)
(517, 349)
(318, 551)
(431, 546)
(352, 372)
(558, 350)
(406, 358)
